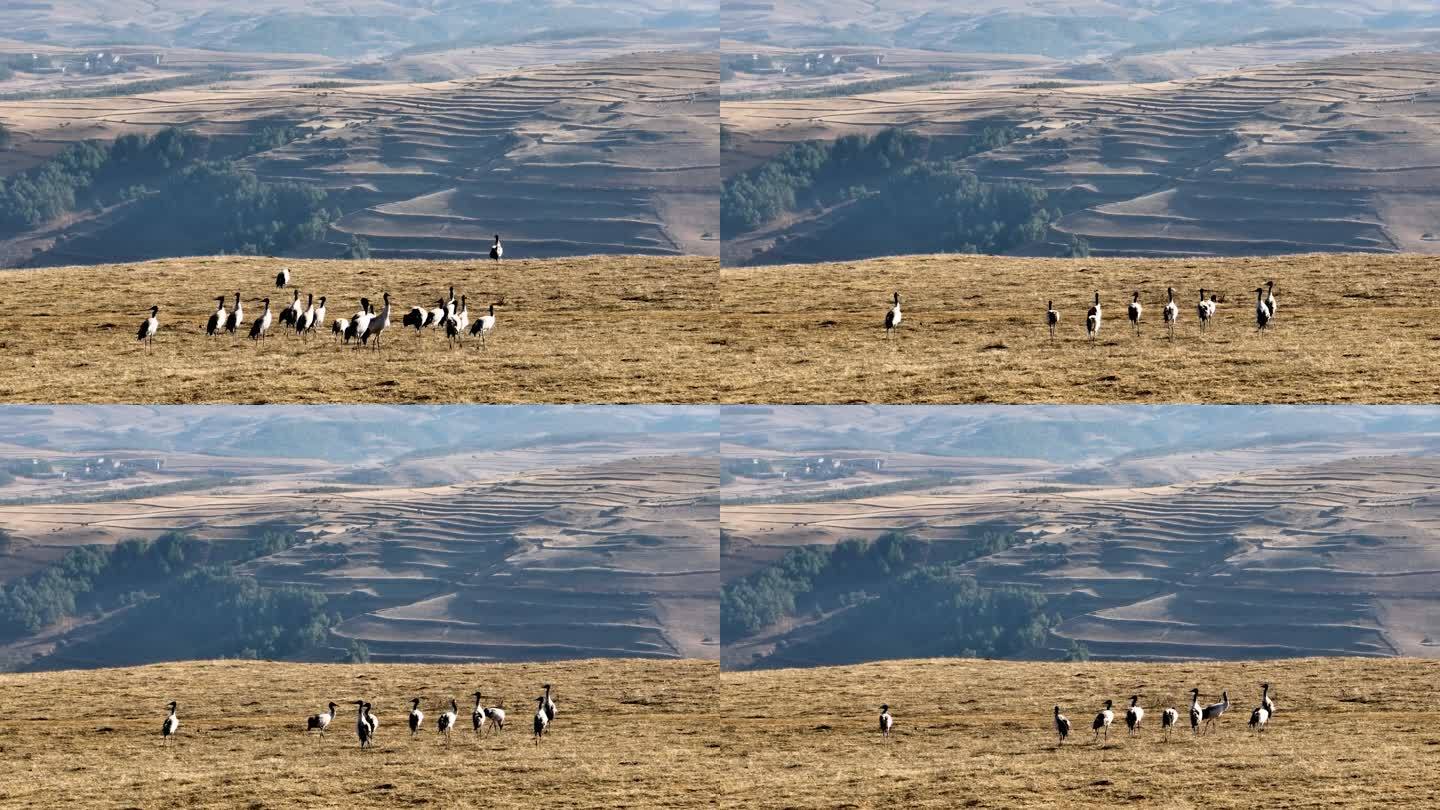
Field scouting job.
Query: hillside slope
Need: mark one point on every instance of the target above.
(1289, 549)
(612, 156)
(1336, 154)
(614, 553)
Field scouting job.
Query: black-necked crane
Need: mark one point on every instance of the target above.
(436, 314)
(1092, 319)
(149, 327)
(495, 715)
(341, 329)
(362, 724)
(452, 331)
(291, 311)
(1168, 718)
(217, 318)
(1258, 718)
(1134, 311)
(171, 724)
(320, 722)
(1211, 714)
(359, 321)
(496, 251)
(377, 324)
(282, 278)
(461, 316)
(1171, 311)
(446, 721)
(302, 318)
(261, 324)
(1265, 698)
(549, 704)
(371, 719)
(1262, 312)
(484, 326)
(415, 317)
(886, 721)
(1270, 298)
(1203, 311)
(1195, 711)
(237, 316)
(542, 720)
(1052, 317)
(318, 316)
(1103, 720)
(1062, 725)
(416, 716)
(892, 316)
(1134, 715)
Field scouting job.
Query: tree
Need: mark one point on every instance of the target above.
(357, 652)
(359, 248)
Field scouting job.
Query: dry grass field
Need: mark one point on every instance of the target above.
(970, 733)
(626, 733)
(587, 329)
(1349, 328)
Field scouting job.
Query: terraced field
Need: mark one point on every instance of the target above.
(611, 156)
(1336, 154)
(1314, 548)
(608, 552)
(626, 733)
(1347, 732)
(1349, 328)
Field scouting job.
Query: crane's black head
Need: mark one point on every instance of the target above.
(1137, 295)
(332, 705)
(155, 310)
(1057, 711)
(1195, 691)
(497, 237)
(477, 695)
(885, 707)
(415, 702)
(267, 302)
(1264, 686)
(173, 704)
(322, 300)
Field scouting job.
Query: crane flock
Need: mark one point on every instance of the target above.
(1203, 718)
(1205, 310)
(449, 316)
(367, 725)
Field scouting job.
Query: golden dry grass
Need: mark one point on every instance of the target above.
(1351, 328)
(627, 733)
(590, 329)
(1347, 733)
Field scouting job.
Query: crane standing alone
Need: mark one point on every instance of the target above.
(892, 316)
(886, 721)
(171, 724)
(416, 716)
(1062, 725)
(1052, 318)
(149, 326)
(1134, 312)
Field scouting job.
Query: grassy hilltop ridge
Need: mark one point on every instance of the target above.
(594, 329)
(626, 732)
(972, 733)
